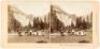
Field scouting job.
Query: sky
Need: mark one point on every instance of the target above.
(41, 7)
(38, 7)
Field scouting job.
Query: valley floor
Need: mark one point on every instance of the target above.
(51, 38)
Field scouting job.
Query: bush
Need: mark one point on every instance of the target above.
(83, 41)
(41, 41)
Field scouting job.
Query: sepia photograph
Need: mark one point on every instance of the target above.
(50, 21)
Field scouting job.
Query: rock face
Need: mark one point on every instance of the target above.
(13, 24)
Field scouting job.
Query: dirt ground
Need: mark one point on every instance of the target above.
(50, 39)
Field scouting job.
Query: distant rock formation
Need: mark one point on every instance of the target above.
(55, 20)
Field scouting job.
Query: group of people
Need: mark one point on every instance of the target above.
(26, 33)
(30, 33)
(77, 32)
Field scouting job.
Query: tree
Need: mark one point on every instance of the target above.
(81, 24)
(72, 25)
(17, 26)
